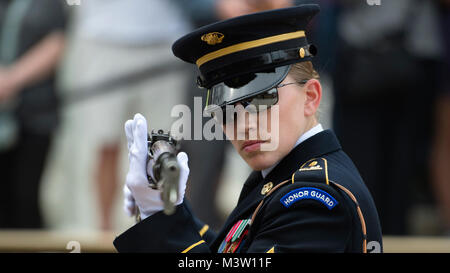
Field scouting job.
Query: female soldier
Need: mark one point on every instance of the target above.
(304, 195)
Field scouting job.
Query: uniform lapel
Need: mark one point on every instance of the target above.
(253, 180)
(249, 198)
(316, 146)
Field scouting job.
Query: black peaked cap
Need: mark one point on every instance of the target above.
(248, 44)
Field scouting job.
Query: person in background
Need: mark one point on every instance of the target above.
(384, 96)
(31, 44)
(441, 143)
(115, 50)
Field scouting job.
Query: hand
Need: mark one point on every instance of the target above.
(261, 5)
(8, 86)
(231, 8)
(137, 190)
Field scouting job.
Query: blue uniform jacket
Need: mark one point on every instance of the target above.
(314, 200)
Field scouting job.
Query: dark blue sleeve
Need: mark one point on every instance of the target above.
(179, 233)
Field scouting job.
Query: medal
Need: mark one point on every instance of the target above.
(235, 237)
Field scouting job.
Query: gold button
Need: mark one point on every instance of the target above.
(266, 188)
(302, 53)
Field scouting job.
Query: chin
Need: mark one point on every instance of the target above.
(260, 161)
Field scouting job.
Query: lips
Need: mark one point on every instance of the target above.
(251, 145)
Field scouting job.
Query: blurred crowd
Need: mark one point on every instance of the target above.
(71, 75)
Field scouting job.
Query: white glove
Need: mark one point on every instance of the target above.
(137, 189)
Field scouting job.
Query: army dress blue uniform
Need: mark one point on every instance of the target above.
(319, 166)
(313, 200)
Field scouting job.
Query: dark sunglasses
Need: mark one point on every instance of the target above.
(255, 104)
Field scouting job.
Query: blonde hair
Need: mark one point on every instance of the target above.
(303, 71)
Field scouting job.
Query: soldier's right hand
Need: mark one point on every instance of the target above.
(137, 190)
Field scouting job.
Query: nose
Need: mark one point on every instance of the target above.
(246, 122)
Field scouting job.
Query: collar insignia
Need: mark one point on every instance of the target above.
(313, 166)
(266, 188)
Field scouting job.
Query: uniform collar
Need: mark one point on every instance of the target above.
(311, 132)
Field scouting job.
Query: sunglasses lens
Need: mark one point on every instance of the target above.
(258, 103)
(263, 101)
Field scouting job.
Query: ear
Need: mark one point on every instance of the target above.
(313, 91)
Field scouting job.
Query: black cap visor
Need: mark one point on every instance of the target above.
(244, 87)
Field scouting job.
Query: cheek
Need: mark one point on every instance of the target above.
(291, 116)
(230, 132)
(291, 104)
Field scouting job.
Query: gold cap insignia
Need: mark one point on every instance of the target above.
(266, 188)
(213, 38)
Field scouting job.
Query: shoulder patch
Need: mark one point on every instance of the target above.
(310, 193)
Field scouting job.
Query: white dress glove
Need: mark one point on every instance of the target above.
(137, 191)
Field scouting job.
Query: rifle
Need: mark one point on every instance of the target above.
(163, 149)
